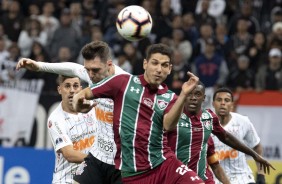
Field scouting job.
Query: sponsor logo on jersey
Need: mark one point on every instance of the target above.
(136, 80)
(136, 90)
(84, 143)
(162, 104)
(148, 102)
(107, 146)
(58, 128)
(227, 154)
(166, 95)
(104, 116)
(59, 140)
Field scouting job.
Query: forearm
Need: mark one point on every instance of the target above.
(75, 156)
(79, 100)
(172, 117)
(233, 142)
(259, 150)
(64, 68)
(219, 173)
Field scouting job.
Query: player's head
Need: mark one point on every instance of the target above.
(97, 60)
(195, 99)
(157, 64)
(223, 101)
(68, 86)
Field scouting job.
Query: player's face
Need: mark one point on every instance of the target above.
(96, 69)
(195, 99)
(67, 89)
(223, 103)
(157, 68)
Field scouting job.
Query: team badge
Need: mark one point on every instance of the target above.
(136, 80)
(183, 116)
(162, 104)
(207, 124)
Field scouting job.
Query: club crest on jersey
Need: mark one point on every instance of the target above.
(162, 104)
(136, 80)
(148, 102)
(205, 115)
(136, 90)
(183, 116)
(207, 124)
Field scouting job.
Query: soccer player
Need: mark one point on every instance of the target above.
(233, 161)
(189, 139)
(144, 109)
(98, 65)
(71, 133)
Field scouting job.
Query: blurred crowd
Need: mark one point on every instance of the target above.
(234, 43)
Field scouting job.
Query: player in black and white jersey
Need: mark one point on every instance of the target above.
(72, 134)
(100, 161)
(233, 161)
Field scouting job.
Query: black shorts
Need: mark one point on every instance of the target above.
(95, 171)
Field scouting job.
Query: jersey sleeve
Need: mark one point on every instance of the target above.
(58, 133)
(67, 69)
(251, 137)
(212, 156)
(171, 139)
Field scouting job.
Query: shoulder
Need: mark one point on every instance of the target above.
(56, 114)
(240, 117)
(119, 70)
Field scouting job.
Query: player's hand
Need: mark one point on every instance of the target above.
(192, 82)
(27, 64)
(84, 105)
(264, 164)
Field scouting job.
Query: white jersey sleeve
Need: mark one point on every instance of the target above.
(67, 69)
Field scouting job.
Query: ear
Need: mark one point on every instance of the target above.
(170, 68)
(109, 62)
(59, 89)
(145, 63)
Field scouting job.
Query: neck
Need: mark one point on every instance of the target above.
(224, 119)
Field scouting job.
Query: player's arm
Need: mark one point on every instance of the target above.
(171, 118)
(219, 173)
(72, 155)
(260, 174)
(64, 68)
(230, 140)
(81, 101)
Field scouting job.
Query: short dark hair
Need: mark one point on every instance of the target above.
(159, 48)
(96, 49)
(222, 89)
(200, 83)
(62, 78)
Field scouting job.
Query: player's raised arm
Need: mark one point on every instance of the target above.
(63, 68)
(172, 117)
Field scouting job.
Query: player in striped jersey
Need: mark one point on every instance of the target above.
(99, 167)
(143, 109)
(233, 161)
(71, 133)
(189, 139)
